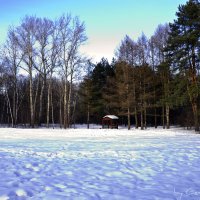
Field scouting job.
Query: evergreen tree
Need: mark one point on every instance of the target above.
(85, 94)
(102, 71)
(184, 52)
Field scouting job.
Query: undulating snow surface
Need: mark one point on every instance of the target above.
(99, 164)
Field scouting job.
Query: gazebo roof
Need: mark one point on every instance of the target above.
(111, 117)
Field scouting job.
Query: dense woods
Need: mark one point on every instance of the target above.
(153, 81)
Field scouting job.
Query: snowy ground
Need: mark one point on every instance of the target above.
(81, 164)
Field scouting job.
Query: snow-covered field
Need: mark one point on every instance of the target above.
(81, 164)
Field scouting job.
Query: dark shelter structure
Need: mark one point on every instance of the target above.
(110, 121)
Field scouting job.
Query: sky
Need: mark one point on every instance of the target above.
(106, 21)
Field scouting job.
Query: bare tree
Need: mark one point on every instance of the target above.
(44, 29)
(72, 36)
(12, 58)
(124, 77)
(152, 55)
(160, 42)
(127, 52)
(27, 44)
(143, 56)
(54, 52)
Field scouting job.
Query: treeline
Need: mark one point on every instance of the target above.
(152, 81)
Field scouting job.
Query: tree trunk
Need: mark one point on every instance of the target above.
(41, 103)
(16, 107)
(145, 109)
(52, 107)
(48, 103)
(136, 118)
(60, 113)
(14, 103)
(155, 117)
(135, 109)
(195, 114)
(193, 94)
(154, 93)
(141, 119)
(163, 116)
(3, 111)
(145, 118)
(9, 108)
(69, 106)
(167, 116)
(32, 121)
(193, 101)
(35, 98)
(14, 111)
(7, 114)
(129, 119)
(65, 105)
(74, 109)
(88, 116)
(155, 109)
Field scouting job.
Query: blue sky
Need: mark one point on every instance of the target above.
(106, 21)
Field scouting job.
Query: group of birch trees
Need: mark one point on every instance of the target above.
(38, 66)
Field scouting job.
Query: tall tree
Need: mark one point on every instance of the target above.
(143, 57)
(99, 75)
(27, 44)
(44, 29)
(72, 36)
(124, 82)
(12, 57)
(160, 38)
(184, 52)
(53, 57)
(128, 52)
(85, 92)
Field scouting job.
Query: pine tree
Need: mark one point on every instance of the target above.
(183, 50)
(102, 71)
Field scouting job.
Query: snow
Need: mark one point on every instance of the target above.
(99, 164)
(111, 116)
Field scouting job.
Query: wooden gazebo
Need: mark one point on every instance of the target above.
(110, 121)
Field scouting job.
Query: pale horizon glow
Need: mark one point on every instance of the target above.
(107, 21)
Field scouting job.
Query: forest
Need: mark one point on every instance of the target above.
(151, 82)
